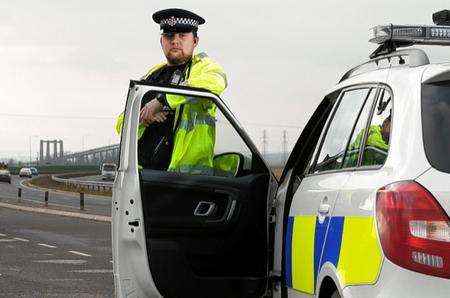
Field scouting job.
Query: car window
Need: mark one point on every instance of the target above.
(332, 99)
(357, 139)
(377, 143)
(435, 123)
(203, 142)
(335, 142)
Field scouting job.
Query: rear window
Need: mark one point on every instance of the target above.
(436, 124)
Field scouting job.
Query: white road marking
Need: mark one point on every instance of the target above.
(46, 245)
(93, 271)
(21, 239)
(71, 262)
(79, 253)
(2, 235)
(66, 279)
(7, 240)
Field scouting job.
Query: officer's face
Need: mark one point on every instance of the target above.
(178, 47)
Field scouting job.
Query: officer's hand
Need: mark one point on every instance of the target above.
(160, 117)
(152, 112)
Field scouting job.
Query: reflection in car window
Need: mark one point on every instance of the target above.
(377, 143)
(333, 148)
(352, 154)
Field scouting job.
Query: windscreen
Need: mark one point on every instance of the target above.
(436, 124)
(109, 168)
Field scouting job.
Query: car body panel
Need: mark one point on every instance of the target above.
(132, 275)
(395, 281)
(307, 228)
(432, 181)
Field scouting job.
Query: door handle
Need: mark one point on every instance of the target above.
(324, 208)
(134, 223)
(204, 208)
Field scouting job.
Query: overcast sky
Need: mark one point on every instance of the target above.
(65, 65)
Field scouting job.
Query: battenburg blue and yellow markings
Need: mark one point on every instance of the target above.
(351, 245)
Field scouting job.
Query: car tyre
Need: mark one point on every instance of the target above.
(335, 294)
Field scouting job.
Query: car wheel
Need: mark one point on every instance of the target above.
(335, 294)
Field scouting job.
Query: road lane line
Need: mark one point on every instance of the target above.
(2, 235)
(7, 240)
(21, 239)
(79, 253)
(93, 271)
(69, 262)
(46, 245)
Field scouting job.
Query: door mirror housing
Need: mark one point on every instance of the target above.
(228, 164)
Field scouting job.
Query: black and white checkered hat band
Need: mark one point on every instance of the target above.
(172, 21)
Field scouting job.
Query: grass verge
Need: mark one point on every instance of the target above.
(46, 181)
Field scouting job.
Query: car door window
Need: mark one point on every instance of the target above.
(357, 139)
(377, 142)
(336, 139)
(195, 138)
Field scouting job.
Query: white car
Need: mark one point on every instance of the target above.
(361, 209)
(25, 172)
(109, 171)
(5, 175)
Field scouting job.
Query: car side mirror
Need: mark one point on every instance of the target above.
(228, 164)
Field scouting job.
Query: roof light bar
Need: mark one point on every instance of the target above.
(402, 35)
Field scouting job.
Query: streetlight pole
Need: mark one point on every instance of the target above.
(29, 139)
(82, 141)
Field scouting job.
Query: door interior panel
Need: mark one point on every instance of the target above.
(223, 254)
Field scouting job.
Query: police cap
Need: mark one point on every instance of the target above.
(177, 20)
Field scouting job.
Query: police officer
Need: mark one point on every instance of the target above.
(178, 132)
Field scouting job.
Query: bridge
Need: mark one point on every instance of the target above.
(93, 156)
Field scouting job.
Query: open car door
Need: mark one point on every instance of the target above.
(181, 234)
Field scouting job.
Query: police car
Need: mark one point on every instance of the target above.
(361, 209)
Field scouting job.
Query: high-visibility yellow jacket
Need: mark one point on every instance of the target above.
(372, 156)
(193, 149)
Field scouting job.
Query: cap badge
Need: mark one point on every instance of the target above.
(172, 21)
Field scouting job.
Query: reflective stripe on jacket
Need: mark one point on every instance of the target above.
(194, 140)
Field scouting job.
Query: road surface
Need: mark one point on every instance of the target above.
(44, 255)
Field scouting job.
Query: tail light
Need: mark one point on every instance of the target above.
(414, 230)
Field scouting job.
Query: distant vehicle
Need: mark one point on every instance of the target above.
(5, 176)
(25, 172)
(109, 171)
(34, 171)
